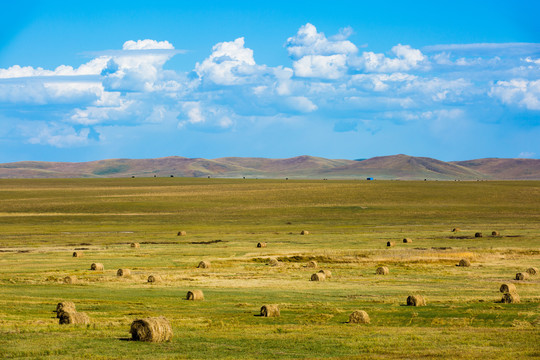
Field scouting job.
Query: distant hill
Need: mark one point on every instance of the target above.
(402, 167)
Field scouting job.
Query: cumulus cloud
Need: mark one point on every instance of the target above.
(325, 67)
(308, 41)
(229, 64)
(406, 58)
(520, 92)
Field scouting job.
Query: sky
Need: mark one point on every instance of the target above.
(91, 80)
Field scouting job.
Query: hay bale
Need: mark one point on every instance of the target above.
(123, 272)
(135, 245)
(510, 298)
(270, 311)
(195, 295)
(261, 244)
(508, 288)
(318, 277)
(495, 233)
(204, 265)
(312, 264)
(77, 254)
(478, 234)
(456, 229)
(154, 278)
(464, 262)
(382, 270)
(327, 273)
(416, 300)
(390, 243)
(97, 267)
(181, 233)
(359, 317)
(407, 240)
(304, 232)
(153, 329)
(73, 317)
(522, 276)
(532, 271)
(64, 306)
(273, 262)
(70, 279)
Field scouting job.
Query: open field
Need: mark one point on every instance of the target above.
(43, 221)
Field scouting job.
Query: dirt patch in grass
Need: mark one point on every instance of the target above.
(207, 242)
(157, 242)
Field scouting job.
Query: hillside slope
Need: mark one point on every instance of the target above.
(402, 167)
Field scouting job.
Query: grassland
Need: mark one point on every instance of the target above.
(43, 221)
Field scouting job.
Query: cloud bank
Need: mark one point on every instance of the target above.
(329, 81)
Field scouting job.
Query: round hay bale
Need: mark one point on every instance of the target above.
(70, 280)
(181, 233)
(153, 279)
(510, 298)
(77, 254)
(204, 265)
(532, 271)
(478, 234)
(73, 317)
(195, 295)
(123, 272)
(312, 264)
(390, 243)
(153, 329)
(273, 262)
(304, 232)
(508, 288)
(261, 244)
(407, 240)
(456, 229)
(65, 306)
(522, 276)
(464, 262)
(327, 273)
(270, 311)
(495, 233)
(97, 267)
(135, 245)
(359, 317)
(318, 277)
(382, 270)
(416, 300)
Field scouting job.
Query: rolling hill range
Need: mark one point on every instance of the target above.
(401, 167)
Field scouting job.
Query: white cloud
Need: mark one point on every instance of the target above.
(300, 104)
(406, 59)
(310, 42)
(229, 64)
(319, 66)
(147, 45)
(380, 82)
(55, 134)
(520, 92)
(197, 115)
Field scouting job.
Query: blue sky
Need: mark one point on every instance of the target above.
(453, 80)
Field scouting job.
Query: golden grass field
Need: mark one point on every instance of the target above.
(42, 222)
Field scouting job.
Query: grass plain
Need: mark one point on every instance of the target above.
(43, 221)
